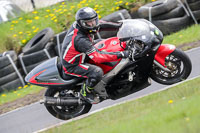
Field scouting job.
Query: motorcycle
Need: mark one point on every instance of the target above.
(150, 59)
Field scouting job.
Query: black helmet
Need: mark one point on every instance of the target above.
(86, 15)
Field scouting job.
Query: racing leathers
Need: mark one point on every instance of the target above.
(78, 45)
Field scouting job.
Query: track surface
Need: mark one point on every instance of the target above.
(35, 117)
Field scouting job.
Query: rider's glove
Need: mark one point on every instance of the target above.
(126, 54)
(137, 55)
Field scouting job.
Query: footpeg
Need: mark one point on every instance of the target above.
(42, 101)
(96, 100)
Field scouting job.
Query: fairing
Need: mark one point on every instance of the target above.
(163, 51)
(47, 74)
(140, 29)
(109, 45)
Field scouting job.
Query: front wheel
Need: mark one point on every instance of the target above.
(179, 65)
(65, 112)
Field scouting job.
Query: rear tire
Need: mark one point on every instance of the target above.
(179, 64)
(65, 112)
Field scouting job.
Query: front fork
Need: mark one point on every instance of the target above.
(163, 51)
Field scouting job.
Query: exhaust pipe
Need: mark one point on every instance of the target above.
(57, 101)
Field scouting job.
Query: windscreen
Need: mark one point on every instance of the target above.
(135, 28)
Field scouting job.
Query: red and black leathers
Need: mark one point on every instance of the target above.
(79, 44)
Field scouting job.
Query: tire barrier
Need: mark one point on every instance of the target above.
(5, 60)
(7, 78)
(39, 41)
(174, 13)
(173, 25)
(12, 85)
(194, 6)
(30, 61)
(197, 14)
(58, 40)
(14, 68)
(10, 77)
(192, 1)
(170, 17)
(114, 17)
(157, 8)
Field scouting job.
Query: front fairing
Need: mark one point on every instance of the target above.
(140, 29)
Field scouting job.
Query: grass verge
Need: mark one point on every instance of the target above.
(19, 93)
(188, 35)
(171, 111)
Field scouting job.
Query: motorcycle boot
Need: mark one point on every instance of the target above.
(87, 93)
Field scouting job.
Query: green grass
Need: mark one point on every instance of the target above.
(6, 97)
(188, 35)
(175, 110)
(15, 34)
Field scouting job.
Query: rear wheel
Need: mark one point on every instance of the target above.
(179, 65)
(65, 112)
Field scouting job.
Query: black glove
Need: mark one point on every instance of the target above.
(126, 54)
(137, 55)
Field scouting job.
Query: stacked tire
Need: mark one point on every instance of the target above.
(40, 48)
(9, 79)
(37, 50)
(58, 40)
(114, 17)
(168, 15)
(195, 8)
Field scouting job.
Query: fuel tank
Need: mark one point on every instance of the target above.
(109, 45)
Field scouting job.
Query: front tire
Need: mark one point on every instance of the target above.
(178, 63)
(65, 112)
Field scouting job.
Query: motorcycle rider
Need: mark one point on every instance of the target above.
(78, 44)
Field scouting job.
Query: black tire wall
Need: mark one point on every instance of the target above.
(195, 6)
(4, 61)
(114, 17)
(172, 25)
(9, 79)
(39, 41)
(37, 57)
(175, 13)
(157, 8)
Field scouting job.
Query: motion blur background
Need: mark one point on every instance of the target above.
(29, 5)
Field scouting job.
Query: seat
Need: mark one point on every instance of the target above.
(63, 75)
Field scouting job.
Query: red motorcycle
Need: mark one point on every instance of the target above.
(163, 63)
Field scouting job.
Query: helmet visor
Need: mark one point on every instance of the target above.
(90, 24)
